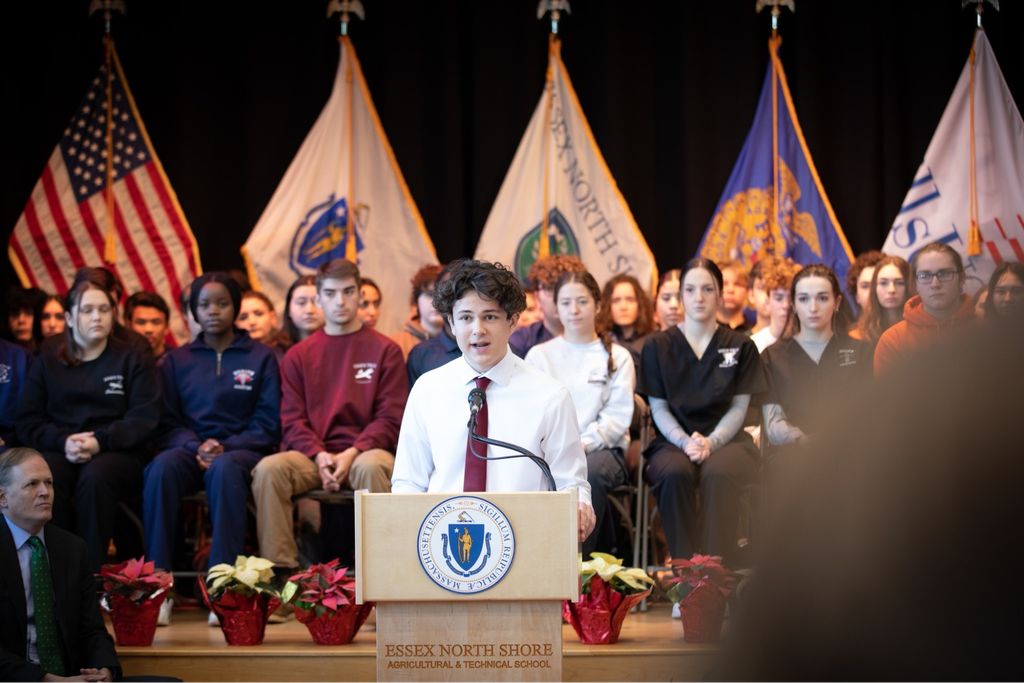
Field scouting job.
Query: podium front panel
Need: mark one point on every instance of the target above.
(544, 566)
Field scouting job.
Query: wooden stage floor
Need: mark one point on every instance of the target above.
(650, 648)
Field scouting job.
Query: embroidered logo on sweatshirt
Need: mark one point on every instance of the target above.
(243, 379)
(115, 385)
(728, 357)
(364, 372)
(5, 373)
(846, 357)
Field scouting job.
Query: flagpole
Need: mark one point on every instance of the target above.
(555, 7)
(110, 239)
(974, 235)
(773, 47)
(345, 7)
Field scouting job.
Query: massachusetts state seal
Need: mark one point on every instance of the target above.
(466, 544)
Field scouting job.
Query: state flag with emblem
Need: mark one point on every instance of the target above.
(343, 196)
(774, 203)
(559, 186)
(72, 219)
(973, 172)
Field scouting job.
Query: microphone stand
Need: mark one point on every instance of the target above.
(523, 453)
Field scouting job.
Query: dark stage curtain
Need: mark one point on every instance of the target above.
(229, 90)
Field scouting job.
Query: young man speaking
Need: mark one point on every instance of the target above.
(482, 302)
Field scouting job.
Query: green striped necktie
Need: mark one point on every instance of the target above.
(47, 635)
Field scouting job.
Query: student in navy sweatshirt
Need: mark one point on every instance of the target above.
(89, 408)
(14, 364)
(221, 415)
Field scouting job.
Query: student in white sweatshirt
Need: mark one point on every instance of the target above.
(600, 378)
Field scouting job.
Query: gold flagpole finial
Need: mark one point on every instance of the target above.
(555, 7)
(776, 12)
(345, 7)
(107, 6)
(979, 6)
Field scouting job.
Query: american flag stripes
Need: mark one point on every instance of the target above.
(65, 221)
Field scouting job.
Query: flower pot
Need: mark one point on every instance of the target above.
(334, 628)
(243, 618)
(702, 612)
(597, 617)
(134, 623)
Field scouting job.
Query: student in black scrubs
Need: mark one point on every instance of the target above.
(812, 364)
(89, 408)
(698, 377)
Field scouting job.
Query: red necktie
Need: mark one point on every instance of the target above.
(476, 469)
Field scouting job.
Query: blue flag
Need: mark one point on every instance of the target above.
(789, 216)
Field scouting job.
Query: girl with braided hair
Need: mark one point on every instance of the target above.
(600, 378)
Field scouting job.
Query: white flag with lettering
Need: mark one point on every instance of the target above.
(343, 196)
(937, 207)
(559, 181)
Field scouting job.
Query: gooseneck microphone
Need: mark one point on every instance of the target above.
(477, 399)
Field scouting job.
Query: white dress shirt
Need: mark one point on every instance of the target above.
(24, 560)
(525, 407)
(604, 405)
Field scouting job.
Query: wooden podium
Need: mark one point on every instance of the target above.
(415, 559)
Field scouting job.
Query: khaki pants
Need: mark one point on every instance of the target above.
(279, 477)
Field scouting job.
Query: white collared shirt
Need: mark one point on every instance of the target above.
(525, 407)
(25, 562)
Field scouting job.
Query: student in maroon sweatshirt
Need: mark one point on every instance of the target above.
(89, 409)
(343, 394)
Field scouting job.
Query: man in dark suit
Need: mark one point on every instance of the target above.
(51, 628)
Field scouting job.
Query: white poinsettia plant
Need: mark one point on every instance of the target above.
(622, 580)
(248, 576)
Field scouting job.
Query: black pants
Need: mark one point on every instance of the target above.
(674, 480)
(93, 490)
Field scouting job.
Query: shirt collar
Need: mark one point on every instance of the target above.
(21, 536)
(500, 374)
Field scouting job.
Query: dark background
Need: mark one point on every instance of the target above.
(228, 91)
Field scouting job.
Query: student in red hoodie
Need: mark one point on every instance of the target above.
(343, 394)
(940, 306)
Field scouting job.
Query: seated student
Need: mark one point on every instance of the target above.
(369, 302)
(668, 307)
(887, 295)
(14, 364)
(148, 314)
(433, 353)
(531, 313)
(699, 377)
(53, 316)
(543, 275)
(811, 365)
(858, 278)
(600, 378)
(735, 289)
(939, 308)
(425, 322)
(627, 314)
(758, 312)
(343, 393)
(776, 278)
(24, 318)
(1006, 299)
(302, 316)
(481, 302)
(258, 318)
(89, 409)
(221, 414)
(183, 307)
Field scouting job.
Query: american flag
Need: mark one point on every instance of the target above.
(64, 223)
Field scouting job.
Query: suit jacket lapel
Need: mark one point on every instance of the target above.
(12, 575)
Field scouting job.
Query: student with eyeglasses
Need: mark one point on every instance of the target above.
(940, 307)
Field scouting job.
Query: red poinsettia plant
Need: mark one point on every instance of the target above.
(321, 588)
(700, 570)
(135, 580)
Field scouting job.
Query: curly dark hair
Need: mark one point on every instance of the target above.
(489, 280)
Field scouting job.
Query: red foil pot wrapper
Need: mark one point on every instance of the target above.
(243, 618)
(134, 623)
(334, 628)
(597, 618)
(702, 612)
